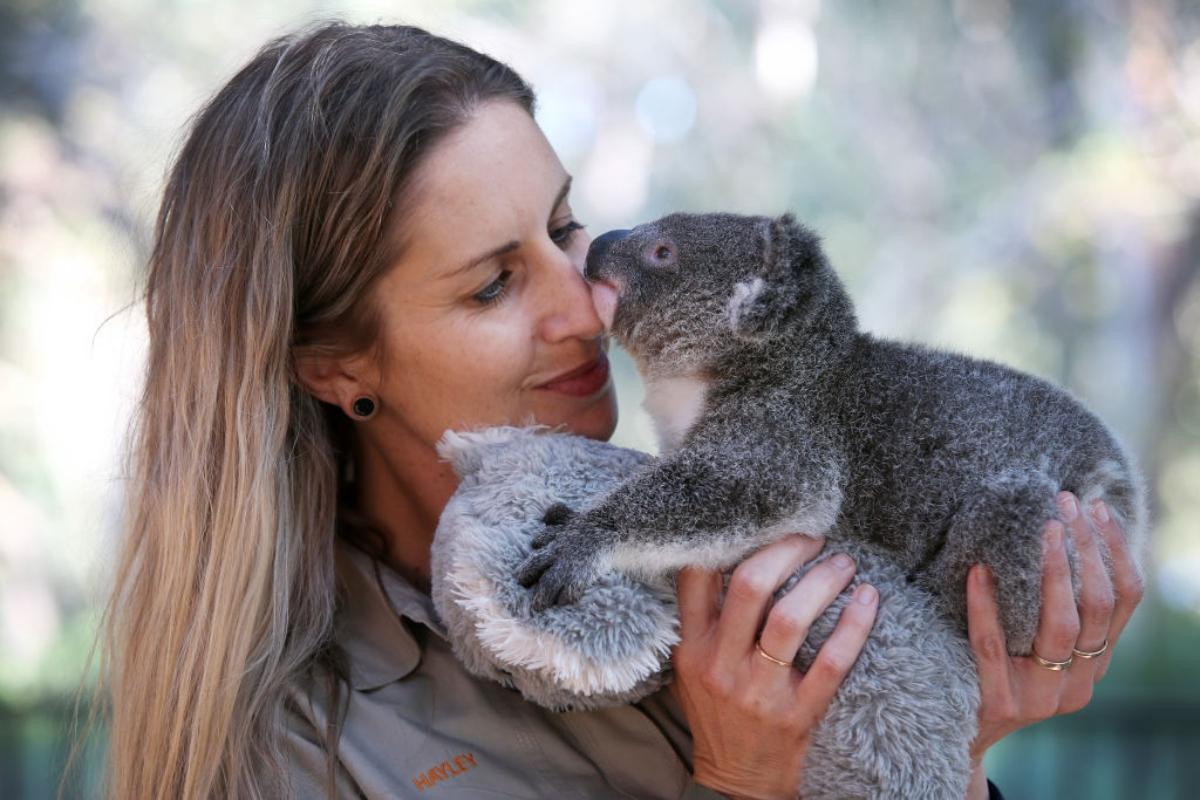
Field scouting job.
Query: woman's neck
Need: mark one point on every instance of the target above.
(402, 490)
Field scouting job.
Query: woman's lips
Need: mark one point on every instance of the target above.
(604, 298)
(585, 383)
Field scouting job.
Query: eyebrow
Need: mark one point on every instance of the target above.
(507, 247)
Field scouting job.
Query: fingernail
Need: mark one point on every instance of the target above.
(842, 561)
(865, 594)
(1100, 511)
(1053, 537)
(1068, 507)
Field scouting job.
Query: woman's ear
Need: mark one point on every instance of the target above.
(330, 379)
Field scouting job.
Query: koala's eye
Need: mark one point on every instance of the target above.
(660, 254)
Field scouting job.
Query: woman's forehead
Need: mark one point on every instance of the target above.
(494, 180)
(498, 155)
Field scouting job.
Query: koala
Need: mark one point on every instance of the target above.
(777, 415)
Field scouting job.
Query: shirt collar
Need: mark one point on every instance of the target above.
(369, 628)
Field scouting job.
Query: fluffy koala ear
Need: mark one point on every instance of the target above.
(759, 305)
(778, 246)
(469, 451)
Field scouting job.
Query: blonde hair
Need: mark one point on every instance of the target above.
(279, 213)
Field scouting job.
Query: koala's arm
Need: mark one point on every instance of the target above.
(712, 505)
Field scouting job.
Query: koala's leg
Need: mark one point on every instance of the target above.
(711, 512)
(1001, 526)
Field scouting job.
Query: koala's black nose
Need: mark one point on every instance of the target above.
(597, 249)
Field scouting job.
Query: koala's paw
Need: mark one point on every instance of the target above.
(557, 514)
(562, 565)
(555, 517)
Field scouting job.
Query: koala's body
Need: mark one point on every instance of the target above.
(777, 415)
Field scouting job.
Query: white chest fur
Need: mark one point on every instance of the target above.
(674, 404)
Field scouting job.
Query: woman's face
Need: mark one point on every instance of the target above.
(489, 303)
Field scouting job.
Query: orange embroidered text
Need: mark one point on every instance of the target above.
(445, 771)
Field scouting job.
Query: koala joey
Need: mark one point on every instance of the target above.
(777, 415)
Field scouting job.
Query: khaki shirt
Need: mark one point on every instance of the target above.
(419, 725)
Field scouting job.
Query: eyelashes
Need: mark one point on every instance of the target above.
(564, 234)
(494, 290)
(497, 289)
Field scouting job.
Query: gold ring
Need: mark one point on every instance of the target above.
(1053, 666)
(771, 658)
(1092, 654)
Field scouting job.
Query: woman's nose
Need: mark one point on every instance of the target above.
(568, 311)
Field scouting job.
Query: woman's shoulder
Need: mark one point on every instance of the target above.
(308, 744)
(369, 627)
(408, 715)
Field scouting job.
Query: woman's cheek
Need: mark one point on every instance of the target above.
(502, 357)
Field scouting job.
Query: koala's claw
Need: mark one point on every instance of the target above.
(556, 587)
(533, 567)
(558, 514)
(561, 565)
(543, 538)
(552, 579)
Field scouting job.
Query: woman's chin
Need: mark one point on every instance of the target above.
(597, 420)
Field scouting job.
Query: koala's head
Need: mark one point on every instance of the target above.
(686, 291)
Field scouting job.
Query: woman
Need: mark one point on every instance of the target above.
(366, 240)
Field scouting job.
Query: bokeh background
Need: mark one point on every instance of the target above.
(1015, 179)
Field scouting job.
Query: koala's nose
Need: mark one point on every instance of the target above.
(598, 249)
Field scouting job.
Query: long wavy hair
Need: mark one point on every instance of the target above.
(283, 207)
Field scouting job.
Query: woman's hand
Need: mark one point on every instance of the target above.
(1017, 691)
(751, 717)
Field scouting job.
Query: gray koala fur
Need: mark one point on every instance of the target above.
(899, 726)
(782, 416)
(776, 415)
(609, 647)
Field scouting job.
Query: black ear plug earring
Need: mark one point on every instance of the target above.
(364, 407)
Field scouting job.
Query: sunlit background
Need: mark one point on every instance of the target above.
(1015, 179)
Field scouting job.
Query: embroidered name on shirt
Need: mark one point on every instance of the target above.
(445, 771)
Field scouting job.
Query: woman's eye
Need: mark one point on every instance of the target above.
(494, 290)
(563, 235)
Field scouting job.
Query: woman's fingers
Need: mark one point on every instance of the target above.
(1095, 605)
(699, 592)
(1128, 585)
(1095, 587)
(1058, 625)
(789, 619)
(749, 734)
(1015, 692)
(816, 687)
(750, 589)
(986, 635)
